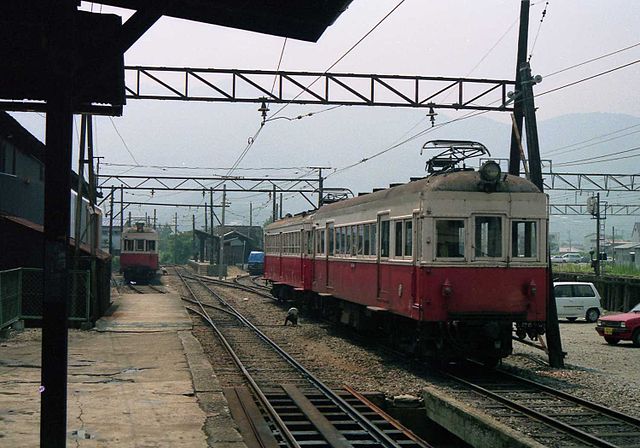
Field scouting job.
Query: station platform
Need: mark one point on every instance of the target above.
(140, 378)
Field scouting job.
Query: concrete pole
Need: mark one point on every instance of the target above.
(111, 221)
(221, 268)
(121, 210)
(211, 228)
(597, 266)
(175, 240)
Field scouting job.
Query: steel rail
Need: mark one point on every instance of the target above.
(282, 428)
(581, 401)
(378, 434)
(231, 285)
(550, 421)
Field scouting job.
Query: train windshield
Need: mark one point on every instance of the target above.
(488, 236)
(524, 238)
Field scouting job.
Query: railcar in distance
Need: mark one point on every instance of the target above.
(447, 265)
(139, 253)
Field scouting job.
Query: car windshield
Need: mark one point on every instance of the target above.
(636, 309)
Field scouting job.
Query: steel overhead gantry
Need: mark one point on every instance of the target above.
(581, 209)
(271, 185)
(346, 89)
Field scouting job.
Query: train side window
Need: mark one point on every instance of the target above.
(331, 240)
(128, 245)
(372, 236)
(408, 238)
(366, 248)
(384, 237)
(398, 241)
(488, 236)
(450, 238)
(151, 246)
(360, 239)
(139, 245)
(524, 239)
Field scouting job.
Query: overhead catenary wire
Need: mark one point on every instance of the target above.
(337, 61)
(588, 61)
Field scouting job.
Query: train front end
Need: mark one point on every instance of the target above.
(484, 266)
(139, 253)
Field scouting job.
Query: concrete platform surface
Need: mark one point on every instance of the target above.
(129, 384)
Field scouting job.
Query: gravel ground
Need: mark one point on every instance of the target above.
(594, 370)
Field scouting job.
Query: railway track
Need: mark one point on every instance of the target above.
(262, 291)
(276, 401)
(547, 415)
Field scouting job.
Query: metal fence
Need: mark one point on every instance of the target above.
(10, 292)
(24, 291)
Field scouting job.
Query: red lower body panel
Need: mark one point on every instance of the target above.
(129, 260)
(422, 293)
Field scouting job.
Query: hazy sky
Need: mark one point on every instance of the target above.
(422, 37)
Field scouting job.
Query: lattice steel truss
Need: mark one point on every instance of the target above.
(349, 89)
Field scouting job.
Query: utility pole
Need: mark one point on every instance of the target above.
(121, 210)
(597, 263)
(193, 236)
(514, 154)
(175, 240)
(250, 219)
(613, 244)
(274, 213)
(280, 213)
(154, 218)
(221, 267)
(320, 187)
(525, 106)
(211, 228)
(111, 221)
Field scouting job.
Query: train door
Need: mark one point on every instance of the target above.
(382, 253)
(329, 252)
(416, 231)
(307, 258)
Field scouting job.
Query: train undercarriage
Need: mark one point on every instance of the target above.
(487, 340)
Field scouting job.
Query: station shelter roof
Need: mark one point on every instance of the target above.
(296, 19)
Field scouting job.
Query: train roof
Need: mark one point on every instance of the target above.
(450, 181)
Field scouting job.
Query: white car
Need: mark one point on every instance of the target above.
(573, 258)
(576, 300)
(557, 259)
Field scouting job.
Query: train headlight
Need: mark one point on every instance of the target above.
(490, 172)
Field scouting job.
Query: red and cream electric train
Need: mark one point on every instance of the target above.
(446, 264)
(139, 253)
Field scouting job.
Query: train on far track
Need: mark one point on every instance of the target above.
(447, 266)
(139, 253)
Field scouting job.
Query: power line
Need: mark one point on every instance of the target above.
(593, 60)
(594, 158)
(589, 78)
(554, 150)
(122, 139)
(344, 55)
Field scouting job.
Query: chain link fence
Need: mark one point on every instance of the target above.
(10, 292)
(79, 294)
